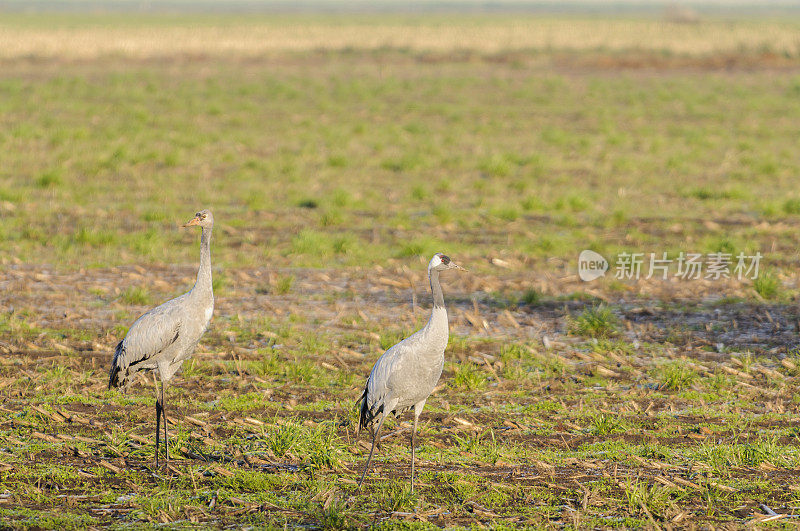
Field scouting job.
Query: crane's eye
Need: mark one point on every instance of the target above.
(445, 259)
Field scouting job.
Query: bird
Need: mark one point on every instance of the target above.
(166, 336)
(405, 375)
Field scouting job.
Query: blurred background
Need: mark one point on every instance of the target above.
(334, 134)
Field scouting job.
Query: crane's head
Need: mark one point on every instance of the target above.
(442, 262)
(204, 218)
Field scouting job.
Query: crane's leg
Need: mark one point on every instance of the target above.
(159, 410)
(164, 414)
(369, 459)
(417, 412)
(413, 433)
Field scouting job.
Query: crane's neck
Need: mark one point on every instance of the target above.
(436, 289)
(203, 283)
(437, 324)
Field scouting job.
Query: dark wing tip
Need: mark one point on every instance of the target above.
(364, 417)
(114, 373)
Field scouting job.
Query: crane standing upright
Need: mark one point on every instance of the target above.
(166, 336)
(405, 375)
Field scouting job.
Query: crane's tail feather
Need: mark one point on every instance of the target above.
(118, 375)
(363, 419)
(366, 417)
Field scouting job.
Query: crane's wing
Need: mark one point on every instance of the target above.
(387, 375)
(147, 338)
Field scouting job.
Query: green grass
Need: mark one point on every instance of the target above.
(468, 376)
(645, 498)
(341, 191)
(284, 284)
(596, 322)
(604, 424)
(135, 295)
(531, 297)
(767, 285)
(676, 376)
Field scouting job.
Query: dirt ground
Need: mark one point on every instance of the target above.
(73, 319)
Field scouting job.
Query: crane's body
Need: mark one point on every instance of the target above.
(166, 336)
(406, 374)
(163, 338)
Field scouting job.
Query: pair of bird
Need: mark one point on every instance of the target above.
(166, 336)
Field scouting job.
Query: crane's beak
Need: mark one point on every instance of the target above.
(458, 267)
(194, 221)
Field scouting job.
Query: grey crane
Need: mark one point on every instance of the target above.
(405, 375)
(166, 336)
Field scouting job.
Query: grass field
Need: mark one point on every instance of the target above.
(337, 156)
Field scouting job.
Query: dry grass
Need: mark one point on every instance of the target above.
(635, 431)
(98, 37)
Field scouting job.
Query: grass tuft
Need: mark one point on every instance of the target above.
(284, 437)
(469, 376)
(135, 295)
(605, 424)
(334, 516)
(49, 179)
(676, 376)
(284, 284)
(597, 322)
(792, 206)
(531, 297)
(767, 285)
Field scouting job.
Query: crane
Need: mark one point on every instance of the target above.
(405, 375)
(166, 336)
